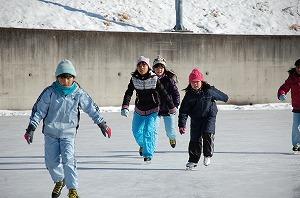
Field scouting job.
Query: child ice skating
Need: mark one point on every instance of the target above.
(293, 83)
(166, 77)
(199, 103)
(58, 106)
(149, 91)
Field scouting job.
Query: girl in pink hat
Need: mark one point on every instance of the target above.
(199, 103)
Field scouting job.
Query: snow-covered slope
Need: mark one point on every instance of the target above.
(271, 17)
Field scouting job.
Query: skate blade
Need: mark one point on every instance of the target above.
(190, 168)
(147, 162)
(296, 152)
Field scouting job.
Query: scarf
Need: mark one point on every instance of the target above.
(65, 90)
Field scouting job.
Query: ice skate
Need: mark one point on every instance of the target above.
(58, 188)
(206, 161)
(141, 151)
(147, 160)
(296, 149)
(191, 166)
(73, 193)
(172, 143)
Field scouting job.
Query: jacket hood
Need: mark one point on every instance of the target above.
(292, 71)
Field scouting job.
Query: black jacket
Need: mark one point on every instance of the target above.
(201, 107)
(172, 90)
(149, 91)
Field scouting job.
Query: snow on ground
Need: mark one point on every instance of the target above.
(267, 17)
(271, 106)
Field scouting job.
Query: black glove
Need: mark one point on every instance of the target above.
(29, 133)
(106, 130)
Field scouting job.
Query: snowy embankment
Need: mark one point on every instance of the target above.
(271, 106)
(255, 17)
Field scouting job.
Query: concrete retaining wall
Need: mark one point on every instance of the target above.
(248, 68)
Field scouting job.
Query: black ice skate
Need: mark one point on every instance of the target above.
(58, 188)
(172, 143)
(73, 193)
(296, 149)
(141, 151)
(191, 166)
(147, 160)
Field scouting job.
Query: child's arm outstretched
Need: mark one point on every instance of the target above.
(284, 89)
(39, 112)
(218, 95)
(91, 108)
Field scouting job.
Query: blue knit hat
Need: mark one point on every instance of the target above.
(65, 67)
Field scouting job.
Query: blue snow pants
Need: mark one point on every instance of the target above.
(169, 122)
(296, 129)
(60, 160)
(144, 130)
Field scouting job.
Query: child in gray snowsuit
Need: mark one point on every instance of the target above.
(58, 106)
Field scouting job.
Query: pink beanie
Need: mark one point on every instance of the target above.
(196, 75)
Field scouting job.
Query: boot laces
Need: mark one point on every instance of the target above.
(73, 193)
(58, 187)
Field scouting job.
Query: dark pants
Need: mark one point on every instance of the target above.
(195, 147)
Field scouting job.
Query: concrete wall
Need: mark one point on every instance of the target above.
(248, 68)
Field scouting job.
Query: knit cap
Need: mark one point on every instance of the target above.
(65, 67)
(159, 60)
(143, 59)
(196, 75)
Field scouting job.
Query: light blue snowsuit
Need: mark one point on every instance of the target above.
(169, 122)
(296, 129)
(60, 115)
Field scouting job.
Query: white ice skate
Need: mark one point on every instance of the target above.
(206, 161)
(191, 166)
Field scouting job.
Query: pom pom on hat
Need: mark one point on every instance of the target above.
(196, 75)
(143, 59)
(159, 60)
(65, 67)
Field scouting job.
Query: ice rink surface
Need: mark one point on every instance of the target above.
(252, 159)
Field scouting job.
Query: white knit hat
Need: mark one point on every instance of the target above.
(144, 59)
